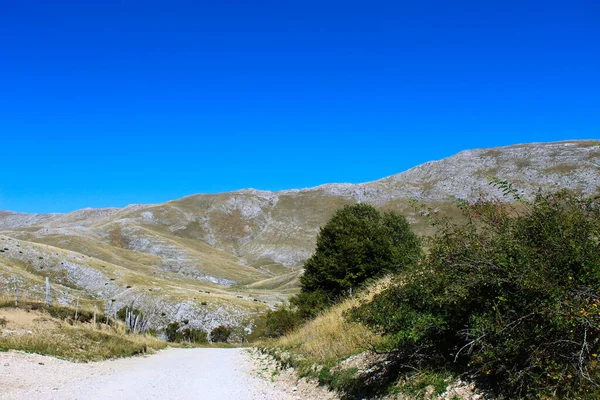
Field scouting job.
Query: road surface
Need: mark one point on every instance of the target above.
(203, 373)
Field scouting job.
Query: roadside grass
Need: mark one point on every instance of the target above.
(53, 331)
(330, 336)
(81, 343)
(318, 348)
(338, 354)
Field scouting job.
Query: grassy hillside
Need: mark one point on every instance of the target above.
(163, 295)
(247, 247)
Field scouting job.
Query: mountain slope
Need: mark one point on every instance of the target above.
(252, 243)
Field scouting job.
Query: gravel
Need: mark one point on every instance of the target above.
(171, 374)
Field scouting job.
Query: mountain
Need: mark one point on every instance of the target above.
(246, 247)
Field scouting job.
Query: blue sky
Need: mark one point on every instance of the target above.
(107, 103)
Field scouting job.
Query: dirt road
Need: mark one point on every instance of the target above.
(171, 374)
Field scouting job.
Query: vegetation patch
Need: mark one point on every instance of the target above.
(37, 330)
(509, 297)
(178, 332)
(221, 334)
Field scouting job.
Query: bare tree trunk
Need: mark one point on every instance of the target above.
(135, 322)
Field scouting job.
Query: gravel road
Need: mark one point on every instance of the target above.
(171, 374)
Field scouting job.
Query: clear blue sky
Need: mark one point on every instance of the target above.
(107, 103)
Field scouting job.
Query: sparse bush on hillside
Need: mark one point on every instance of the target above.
(512, 297)
(356, 245)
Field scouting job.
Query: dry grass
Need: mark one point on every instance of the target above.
(562, 169)
(149, 281)
(330, 335)
(36, 331)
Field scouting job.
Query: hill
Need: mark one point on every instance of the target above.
(224, 258)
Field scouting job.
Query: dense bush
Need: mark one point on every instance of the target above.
(281, 321)
(194, 335)
(357, 244)
(512, 297)
(171, 331)
(176, 333)
(308, 305)
(220, 334)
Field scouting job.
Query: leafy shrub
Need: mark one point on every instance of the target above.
(175, 332)
(220, 334)
(171, 332)
(357, 244)
(511, 296)
(281, 321)
(194, 335)
(308, 305)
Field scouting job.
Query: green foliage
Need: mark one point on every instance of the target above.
(122, 313)
(309, 304)
(176, 333)
(340, 379)
(423, 384)
(357, 244)
(195, 335)
(281, 321)
(220, 334)
(171, 331)
(511, 296)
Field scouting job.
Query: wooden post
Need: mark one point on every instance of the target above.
(107, 313)
(16, 292)
(47, 292)
(94, 315)
(77, 308)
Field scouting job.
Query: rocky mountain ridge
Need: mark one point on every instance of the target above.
(249, 245)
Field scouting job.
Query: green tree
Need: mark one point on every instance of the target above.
(357, 244)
